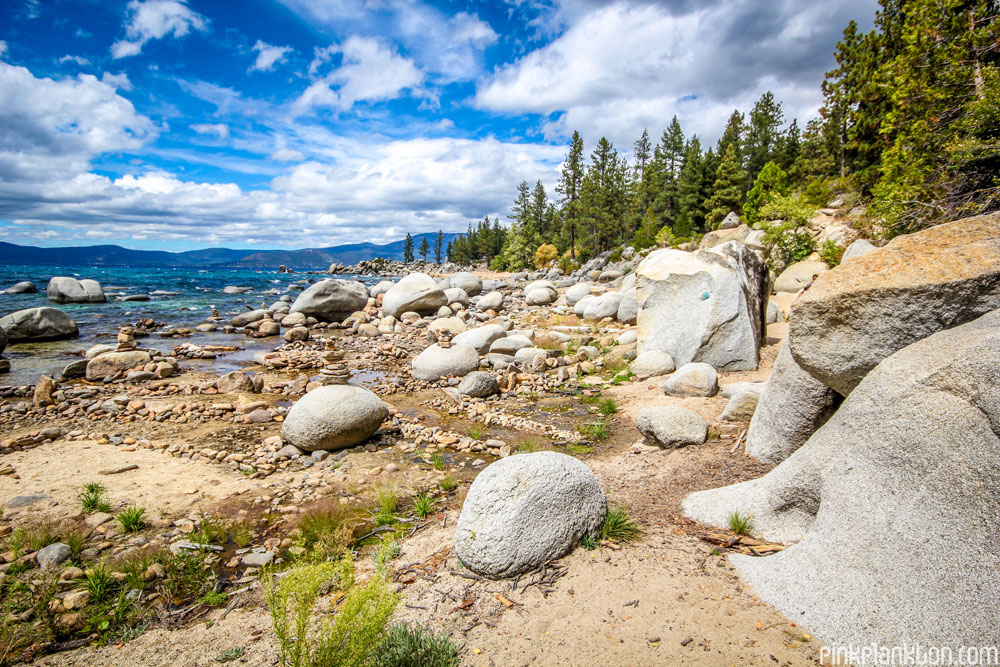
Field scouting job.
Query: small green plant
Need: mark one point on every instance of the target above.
(414, 646)
(741, 524)
(608, 407)
(241, 532)
(476, 431)
(437, 461)
(325, 532)
(588, 542)
(422, 505)
(619, 525)
(594, 430)
(210, 531)
(132, 519)
(230, 654)
(98, 581)
(387, 497)
(623, 376)
(831, 252)
(304, 639)
(385, 552)
(92, 499)
(578, 449)
(447, 483)
(214, 599)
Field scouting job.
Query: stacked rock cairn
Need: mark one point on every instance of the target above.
(334, 367)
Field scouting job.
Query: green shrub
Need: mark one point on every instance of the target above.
(831, 252)
(98, 581)
(325, 532)
(476, 431)
(784, 223)
(608, 407)
(447, 483)
(619, 525)
(413, 646)
(304, 639)
(594, 430)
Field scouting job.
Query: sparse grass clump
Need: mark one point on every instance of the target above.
(325, 532)
(97, 581)
(608, 407)
(230, 654)
(588, 542)
(92, 499)
(476, 431)
(741, 524)
(422, 505)
(437, 461)
(594, 430)
(447, 483)
(387, 500)
(414, 646)
(619, 525)
(214, 599)
(132, 519)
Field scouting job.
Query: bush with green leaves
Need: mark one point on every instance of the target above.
(831, 252)
(784, 223)
(305, 639)
(770, 184)
(132, 519)
(415, 646)
(92, 499)
(619, 526)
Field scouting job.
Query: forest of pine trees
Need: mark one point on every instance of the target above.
(910, 124)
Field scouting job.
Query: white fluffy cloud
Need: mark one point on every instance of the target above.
(155, 19)
(352, 189)
(268, 56)
(370, 71)
(79, 60)
(220, 130)
(696, 60)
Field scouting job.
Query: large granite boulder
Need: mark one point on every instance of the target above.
(479, 384)
(707, 306)
(333, 417)
(540, 296)
(724, 235)
(859, 313)
(603, 306)
(417, 292)
(798, 275)
(525, 510)
(331, 300)
(694, 379)
(652, 363)
(113, 364)
(469, 282)
(792, 406)
(577, 292)
(891, 507)
(249, 317)
(434, 362)
(490, 301)
(63, 289)
(23, 287)
(628, 308)
(38, 324)
(671, 427)
(481, 337)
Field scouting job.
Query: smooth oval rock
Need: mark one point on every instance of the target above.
(38, 324)
(333, 417)
(417, 292)
(525, 510)
(331, 300)
(694, 379)
(469, 282)
(111, 364)
(481, 337)
(479, 384)
(434, 362)
(23, 287)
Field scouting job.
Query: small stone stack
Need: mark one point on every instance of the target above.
(334, 367)
(444, 339)
(126, 340)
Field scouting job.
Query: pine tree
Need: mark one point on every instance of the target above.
(763, 134)
(645, 236)
(732, 135)
(438, 242)
(449, 251)
(727, 190)
(408, 249)
(691, 189)
(642, 151)
(670, 158)
(424, 248)
(602, 197)
(539, 212)
(569, 186)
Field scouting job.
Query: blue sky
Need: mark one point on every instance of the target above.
(165, 124)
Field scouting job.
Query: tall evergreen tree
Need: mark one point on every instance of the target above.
(570, 186)
(727, 190)
(438, 243)
(408, 248)
(691, 188)
(763, 134)
(603, 197)
(424, 248)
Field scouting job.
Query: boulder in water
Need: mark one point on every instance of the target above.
(38, 324)
(63, 289)
(23, 287)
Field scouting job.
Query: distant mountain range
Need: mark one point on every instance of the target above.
(300, 260)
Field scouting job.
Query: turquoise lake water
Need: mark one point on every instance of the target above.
(198, 292)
